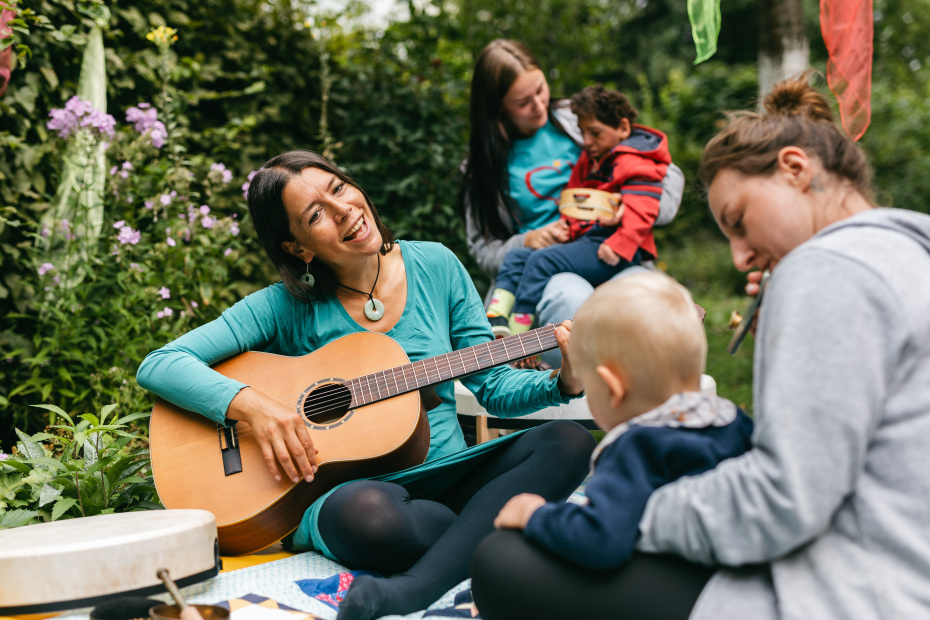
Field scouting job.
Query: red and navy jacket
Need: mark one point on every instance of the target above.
(635, 169)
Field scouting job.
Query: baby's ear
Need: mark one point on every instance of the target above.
(615, 381)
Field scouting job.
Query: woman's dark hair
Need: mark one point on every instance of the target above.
(269, 216)
(795, 115)
(608, 106)
(486, 184)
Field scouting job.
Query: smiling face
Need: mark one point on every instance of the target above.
(764, 217)
(600, 138)
(526, 102)
(329, 220)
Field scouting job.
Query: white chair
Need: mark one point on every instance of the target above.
(487, 426)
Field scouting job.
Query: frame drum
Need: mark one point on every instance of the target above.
(582, 203)
(82, 562)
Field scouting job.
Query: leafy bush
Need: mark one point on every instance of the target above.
(84, 468)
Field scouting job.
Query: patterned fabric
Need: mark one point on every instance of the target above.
(253, 606)
(682, 410)
(331, 590)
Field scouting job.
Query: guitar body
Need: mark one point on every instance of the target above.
(252, 510)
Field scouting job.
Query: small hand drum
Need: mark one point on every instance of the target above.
(82, 562)
(587, 204)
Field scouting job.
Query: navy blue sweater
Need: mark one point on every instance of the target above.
(601, 534)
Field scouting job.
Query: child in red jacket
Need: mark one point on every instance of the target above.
(620, 157)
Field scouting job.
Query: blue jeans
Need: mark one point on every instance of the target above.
(561, 298)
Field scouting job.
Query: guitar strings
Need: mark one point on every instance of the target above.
(320, 403)
(292, 399)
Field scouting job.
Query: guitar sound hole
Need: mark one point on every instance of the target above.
(327, 403)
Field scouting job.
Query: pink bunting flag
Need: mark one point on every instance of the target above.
(6, 56)
(846, 26)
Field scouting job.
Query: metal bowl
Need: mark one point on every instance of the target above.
(173, 612)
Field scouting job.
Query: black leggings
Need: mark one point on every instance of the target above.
(427, 544)
(513, 578)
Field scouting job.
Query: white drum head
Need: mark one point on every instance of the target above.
(81, 562)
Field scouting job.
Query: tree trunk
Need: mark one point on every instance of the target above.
(783, 46)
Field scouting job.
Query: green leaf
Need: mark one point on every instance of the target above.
(48, 494)
(17, 518)
(48, 462)
(90, 418)
(106, 411)
(29, 447)
(133, 416)
(62, 506)
(56, 410)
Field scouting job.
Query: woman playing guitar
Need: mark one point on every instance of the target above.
(421, 527)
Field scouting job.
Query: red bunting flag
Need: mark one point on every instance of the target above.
(846, 26)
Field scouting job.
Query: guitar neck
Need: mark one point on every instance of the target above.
(417, 375)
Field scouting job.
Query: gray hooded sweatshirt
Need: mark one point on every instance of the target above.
(828, 516)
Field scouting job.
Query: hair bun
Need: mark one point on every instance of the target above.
(797, 97)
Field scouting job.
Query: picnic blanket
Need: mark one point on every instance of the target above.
(285, 585)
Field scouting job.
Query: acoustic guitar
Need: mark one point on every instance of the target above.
(359, 396)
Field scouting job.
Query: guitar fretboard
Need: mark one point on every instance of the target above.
(409, 377)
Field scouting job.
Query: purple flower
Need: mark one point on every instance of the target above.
(224, 174)
(234, 229)
(148, 204)
(126, 166)
(44, 268)
(204, 209)
(79, 113)
(248, 182)
(227, 251)
(164, 199)
(171, 242)
(165, 292)
(45, 232)
(128, 235)
(164, 313)
(207, 221)
(193, 304)
(4, 456)
(135, 266)
(119, 224)
(144, 119)
(113, 170)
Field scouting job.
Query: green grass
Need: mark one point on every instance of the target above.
(703, 265)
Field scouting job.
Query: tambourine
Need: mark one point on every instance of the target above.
(587, 204)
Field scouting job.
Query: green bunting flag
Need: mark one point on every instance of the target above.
(705, 27)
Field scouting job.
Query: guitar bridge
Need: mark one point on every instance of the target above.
(229, 446)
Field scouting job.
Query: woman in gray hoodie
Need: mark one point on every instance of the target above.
(828, 516)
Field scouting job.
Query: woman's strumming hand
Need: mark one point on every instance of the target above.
(752, 283)
(572, 385)
(517, 511)
(279, 431)
(556, 232)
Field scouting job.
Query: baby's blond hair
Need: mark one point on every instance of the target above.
(646, 323)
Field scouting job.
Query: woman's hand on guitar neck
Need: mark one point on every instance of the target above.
(279, 431)
(570, 383)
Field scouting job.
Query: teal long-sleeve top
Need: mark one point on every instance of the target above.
(444, 313)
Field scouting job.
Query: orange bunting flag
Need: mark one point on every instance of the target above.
(846, 26)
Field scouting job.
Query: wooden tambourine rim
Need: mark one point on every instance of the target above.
(597, 205)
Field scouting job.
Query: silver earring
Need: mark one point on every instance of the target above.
(308, 278)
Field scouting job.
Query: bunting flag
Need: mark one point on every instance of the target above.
(846, 26)
(705, 27)
(6, 55)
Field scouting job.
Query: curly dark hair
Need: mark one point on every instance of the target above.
(606, 105)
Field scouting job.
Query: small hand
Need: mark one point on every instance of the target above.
(516, 513)
(613, 220)
(570, 382)
(606, 254)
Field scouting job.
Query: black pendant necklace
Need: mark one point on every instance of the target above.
(374, 309)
